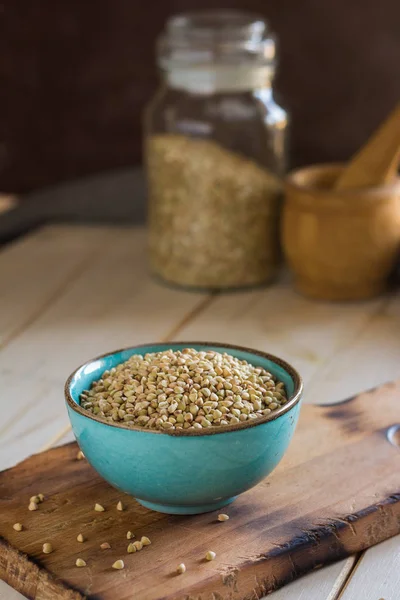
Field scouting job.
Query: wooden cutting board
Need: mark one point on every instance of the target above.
(336, 492)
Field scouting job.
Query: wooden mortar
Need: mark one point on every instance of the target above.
(340, 244)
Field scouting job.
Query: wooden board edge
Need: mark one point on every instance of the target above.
(337, 539)
(31, 580)
(328, 541)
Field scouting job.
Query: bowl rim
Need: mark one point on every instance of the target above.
(292, 401)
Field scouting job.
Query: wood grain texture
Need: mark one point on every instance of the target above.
(317, 507)
(321, 584)
(31, 580)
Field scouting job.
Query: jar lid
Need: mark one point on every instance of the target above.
(216, 38)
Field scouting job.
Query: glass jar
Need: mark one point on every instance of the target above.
(214, 153)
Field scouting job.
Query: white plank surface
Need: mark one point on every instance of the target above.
(74, 293)
(372, 357)
(8, 593)
(324, 584)
(109, 304)
(377, 576)
(35, 270)
(339, 349)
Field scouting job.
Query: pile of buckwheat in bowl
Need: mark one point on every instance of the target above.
(183, 389)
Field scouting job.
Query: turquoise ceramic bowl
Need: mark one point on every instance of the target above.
(192, 472)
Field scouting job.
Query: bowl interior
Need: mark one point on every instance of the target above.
(91, 371)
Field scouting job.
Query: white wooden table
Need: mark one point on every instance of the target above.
(68, 293)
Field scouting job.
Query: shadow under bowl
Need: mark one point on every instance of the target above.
(181, 471)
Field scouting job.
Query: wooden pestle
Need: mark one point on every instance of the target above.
(377, 161)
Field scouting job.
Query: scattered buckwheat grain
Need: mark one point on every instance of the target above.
(80, 455)
(210, 555)
(145, 541)
(119, 564)
(80, 538)
(99, 507)
(129, 535)
(37, 499)
(120, 506)
(138, 545)
(47, 548)
(181, 568)
(223, 517)
(18, 526)
(105, 546)
(32, 506)
(80, 562)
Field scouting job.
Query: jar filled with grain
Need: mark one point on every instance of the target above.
(215, 151)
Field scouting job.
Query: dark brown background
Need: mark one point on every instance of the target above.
(75, 75)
